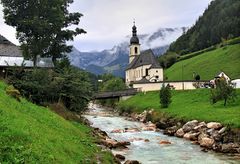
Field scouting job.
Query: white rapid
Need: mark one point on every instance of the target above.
(179, 152)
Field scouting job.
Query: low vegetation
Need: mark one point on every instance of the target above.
(33, 134)
(208, 64)
(63, 84)
(186, 105)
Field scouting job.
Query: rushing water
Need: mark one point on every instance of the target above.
(179, 152)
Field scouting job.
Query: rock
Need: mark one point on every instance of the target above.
(170, 131)
(165, 142)
(150, 124)
(148, 128)
(180, 133)
(221, 131)
(202, 126)
(161, 125)
(189, 126)
(216, 136)
(191, 136)
(146, 140)
(131, 130)
(117, 131)
(122, 144)
(207, 142)
(110, 143)
(230, 148)
(214, 125)
(132, 162)
(120, 157)
(201, 136)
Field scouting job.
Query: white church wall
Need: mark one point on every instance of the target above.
(157, 86)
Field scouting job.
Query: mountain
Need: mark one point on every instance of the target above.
(115, 60)
(220, 21)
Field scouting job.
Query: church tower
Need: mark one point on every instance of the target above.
(134, 44)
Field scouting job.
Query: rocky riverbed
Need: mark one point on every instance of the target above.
(134, 140)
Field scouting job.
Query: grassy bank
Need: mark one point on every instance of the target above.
(33, 134)
(208, 64)
(187, 105)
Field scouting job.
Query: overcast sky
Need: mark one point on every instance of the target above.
(108, 22)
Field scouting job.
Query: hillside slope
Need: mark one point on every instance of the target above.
(33, 134)
(221, 20)
(208, 64)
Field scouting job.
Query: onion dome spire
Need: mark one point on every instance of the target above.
(134, 39)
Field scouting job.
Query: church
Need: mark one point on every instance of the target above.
(143, 66)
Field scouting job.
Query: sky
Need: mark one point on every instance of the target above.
(108, 22)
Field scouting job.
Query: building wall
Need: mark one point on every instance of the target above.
(157, 86)
(154, 73)
(137, 74)
(132, 53)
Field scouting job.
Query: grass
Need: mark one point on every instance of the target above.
(33, 134)
(208, 64)
(187, 105)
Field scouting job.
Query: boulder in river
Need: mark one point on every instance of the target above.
(206, 142)
(230, 148)
(180, 133)
(120, 157)
(189, 126)
(132, 162)
(163, 142)
(214, 125)
(171, 131)
(191, 136)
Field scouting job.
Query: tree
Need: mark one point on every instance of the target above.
(223, 91)
(42, 26)
(165, 96)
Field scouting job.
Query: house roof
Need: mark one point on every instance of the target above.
(3, 40)
(145, 58)
(9, 49)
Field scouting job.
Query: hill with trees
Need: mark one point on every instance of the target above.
(220, 21)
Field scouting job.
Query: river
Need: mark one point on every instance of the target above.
(180, 151)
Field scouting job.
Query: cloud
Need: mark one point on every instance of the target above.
(107, 22)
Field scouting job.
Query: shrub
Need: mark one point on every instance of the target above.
(223, 91)
(13, 92)
(165, 96)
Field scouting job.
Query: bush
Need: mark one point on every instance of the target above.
(13, 92)
(223, 91)
(165, 96)
(67, 85)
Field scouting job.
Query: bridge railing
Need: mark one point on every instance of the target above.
(128, 92)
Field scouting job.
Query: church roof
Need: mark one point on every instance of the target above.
(145, 58)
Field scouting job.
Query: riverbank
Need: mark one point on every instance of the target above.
(186, 107)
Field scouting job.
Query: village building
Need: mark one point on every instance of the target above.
(11, 56)
(143, 66)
